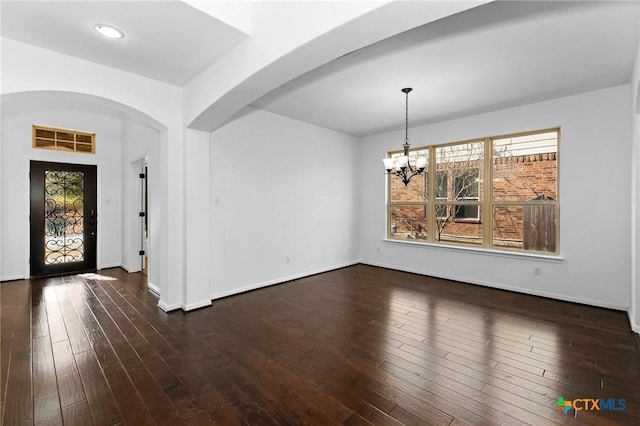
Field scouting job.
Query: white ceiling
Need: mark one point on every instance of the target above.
(168, 41)
(497, 55)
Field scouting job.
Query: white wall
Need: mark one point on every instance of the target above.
(279, 188)
(17, 118)
(634, 296)
(595, 219)
(139, 142)
(197, 292)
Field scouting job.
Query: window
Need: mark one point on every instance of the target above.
(63, 139)
(497, 192)
(466, 188)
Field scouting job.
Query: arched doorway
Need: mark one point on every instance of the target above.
(123, 135)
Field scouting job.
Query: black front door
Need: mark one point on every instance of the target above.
(63, 217)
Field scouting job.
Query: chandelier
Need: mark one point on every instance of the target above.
(400, 165)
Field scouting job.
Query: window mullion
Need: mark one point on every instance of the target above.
(486, 205)
(431, 191)
(387, 232)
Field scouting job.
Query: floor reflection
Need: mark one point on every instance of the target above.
(456, 348)
(356, 345)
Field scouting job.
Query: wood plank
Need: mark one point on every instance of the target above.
(69, 384)
(43, 369)
(18, 401)
(356, 419)
(76, 335)
(5, 357)
(77, 414)
(57, 328)
(46, 410)
(39, 321)
(18, 404)
(103, 407)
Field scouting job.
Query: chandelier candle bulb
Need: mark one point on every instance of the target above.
(389, 164)
(403, 162)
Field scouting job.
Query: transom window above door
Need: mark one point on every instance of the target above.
(46, 137)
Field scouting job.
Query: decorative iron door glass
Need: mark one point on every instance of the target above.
(63, 218)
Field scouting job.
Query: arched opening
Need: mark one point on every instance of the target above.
(124, 136)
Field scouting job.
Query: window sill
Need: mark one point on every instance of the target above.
(474, 221)
(551, 258)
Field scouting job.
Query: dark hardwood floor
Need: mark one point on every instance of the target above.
(359, 345)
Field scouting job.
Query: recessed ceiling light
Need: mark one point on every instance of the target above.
(108, 31)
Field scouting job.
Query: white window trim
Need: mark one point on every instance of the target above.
(559, 258)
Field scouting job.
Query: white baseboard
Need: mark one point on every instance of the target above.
(197, 305)
(13, 278)
(634, 327)
(110, 265)
(129, 269)
(168, 308)
(281, 280)
(504, 287)
(154, 288)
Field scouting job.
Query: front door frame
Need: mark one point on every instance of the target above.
(90, 203)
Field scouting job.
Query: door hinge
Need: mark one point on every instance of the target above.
(141, 252)
(142, 175)
(142, 214)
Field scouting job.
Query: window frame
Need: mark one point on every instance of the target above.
(485, 200)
